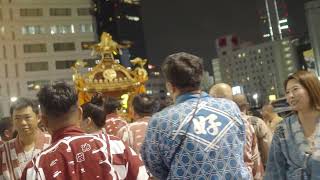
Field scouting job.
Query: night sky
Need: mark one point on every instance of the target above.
(182, 25)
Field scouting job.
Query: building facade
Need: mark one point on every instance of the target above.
(273, 19)
(40, 41)
(258, 69)
(313, 19)
(122, 19)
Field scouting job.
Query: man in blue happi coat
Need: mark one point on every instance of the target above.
(198, 137)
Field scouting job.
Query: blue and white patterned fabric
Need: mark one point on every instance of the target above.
(199, 137)
(290, 155)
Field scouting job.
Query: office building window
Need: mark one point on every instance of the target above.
(34, 48)
(90, 62)
(60, 12)
(133, 18)
(2, 30)
(86, 28)
(31, 12)
(62, 29)
(83, 11)
(65, 64)
(67, 46)
(36, 85)
(86, 45)
(36, 66)
(31, 30)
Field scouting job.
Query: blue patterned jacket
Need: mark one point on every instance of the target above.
(291, 156)
(199, 137)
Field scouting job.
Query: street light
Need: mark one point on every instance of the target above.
(255, 97)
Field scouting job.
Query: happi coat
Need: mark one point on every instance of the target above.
(251, 151)
(199, 137)
(113, 124)
(75, 155)
(133, 133)
(13, 158)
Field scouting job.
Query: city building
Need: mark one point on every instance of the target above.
(217, 78)
(39, 42)
(156, 84)
(274, 19)
(259, 70)
(122, 19)
(313, 15)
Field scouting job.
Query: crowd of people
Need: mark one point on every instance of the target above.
(198, 135)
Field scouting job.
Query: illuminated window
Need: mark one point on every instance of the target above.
(32, 30)
(132, 18)
(36, 66)
(62, 29)
(283, 21)
(266, 35)
(31, 12)
(288, 62)
(36, 85)
(86, 28)
(284, 27)
(60, 12)
(288, 55)
(34, 48)
(2, 29)
(287, 49)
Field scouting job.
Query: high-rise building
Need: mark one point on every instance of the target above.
(122, 19)
(273, 19)
(216, 70)
(258, 69)
(313, 16)
(39, 42)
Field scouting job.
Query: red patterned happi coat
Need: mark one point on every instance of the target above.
(114, 123)
(76, 155)
(133, 133)
(13, 158)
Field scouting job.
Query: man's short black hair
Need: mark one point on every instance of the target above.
(111, 104)
(95, 112)
(97, 99)
(183, 70)
(57, 99)
(5, 124)
(144, 104)
(23, 102)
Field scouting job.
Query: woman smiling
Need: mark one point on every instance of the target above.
(295, 148)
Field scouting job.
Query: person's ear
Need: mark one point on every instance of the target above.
(6, 133)
(80, 113)
(43, 123)
(38, 118)
(170, 88)
(89, 121)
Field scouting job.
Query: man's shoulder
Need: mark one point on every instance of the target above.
(82, 142)
(255, 120)
(222, 104)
